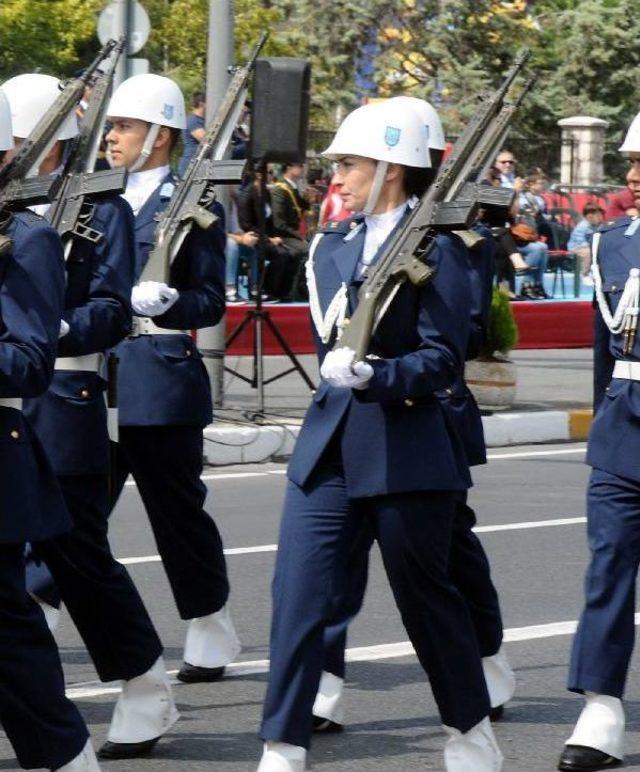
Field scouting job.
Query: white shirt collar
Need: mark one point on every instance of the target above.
(140, 185)
(379, 226)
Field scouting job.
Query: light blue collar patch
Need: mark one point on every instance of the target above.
(353, 233)
(166, 191)
(633, 227)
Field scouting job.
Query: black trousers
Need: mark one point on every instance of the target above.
(166, 463)
(97, 590)
(43, 726)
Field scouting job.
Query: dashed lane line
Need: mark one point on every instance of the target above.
(89, 689)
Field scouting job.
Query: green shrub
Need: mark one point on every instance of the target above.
(502, 334)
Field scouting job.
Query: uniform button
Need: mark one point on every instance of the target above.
(84, 393)
(449, 391)
(15, 434)
(613, 288)
(188, 353)
(408, 402)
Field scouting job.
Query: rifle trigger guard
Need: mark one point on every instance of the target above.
(417, 272)
(202, 217)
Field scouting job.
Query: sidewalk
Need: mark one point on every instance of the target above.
(553, 404)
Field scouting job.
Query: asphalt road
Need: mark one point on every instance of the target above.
(530, 505)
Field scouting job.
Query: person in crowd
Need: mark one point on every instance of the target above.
(375, 451)
(289, 208)
(70, 421)
(280, 263)
(604, 641)
(164, 391)
(505, 163)
(241, 246)
(194, 132)
(580, 237)
(44, 727)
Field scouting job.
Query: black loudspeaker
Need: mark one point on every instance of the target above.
(280, 110)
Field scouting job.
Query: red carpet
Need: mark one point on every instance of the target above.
(541, 324)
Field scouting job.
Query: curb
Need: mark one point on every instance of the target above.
(228, 443)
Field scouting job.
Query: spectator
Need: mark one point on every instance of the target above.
(536, 256)
(580, 238)
(240, 136)
(506, 165)
(193, 135)
(280, 265)
(533, 207)
(620, 204)
(240, 246)
(289, 207)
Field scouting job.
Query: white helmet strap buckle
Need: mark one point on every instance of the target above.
(376, 187)
(147, 148)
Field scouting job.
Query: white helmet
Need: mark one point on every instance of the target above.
(631, 142)
(383, 132)
(6, 131)
(30, 96)
(428, 115)
(150, 98)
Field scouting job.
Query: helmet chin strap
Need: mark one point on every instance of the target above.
(147, 148)
(376, 187)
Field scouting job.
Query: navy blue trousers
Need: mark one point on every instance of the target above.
(166, 463)
(603, 643)
(469, 571)
(413, 530)
(43, 726)
(97, 590)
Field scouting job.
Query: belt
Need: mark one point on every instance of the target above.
(628, 370)
(144, 325)
(88, 363)
(12, 402)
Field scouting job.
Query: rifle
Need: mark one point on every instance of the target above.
(18, 191)
(70, 213)
(196, 192)
(448, 205)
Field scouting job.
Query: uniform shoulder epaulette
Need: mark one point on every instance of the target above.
(611, 225)
(340, 226)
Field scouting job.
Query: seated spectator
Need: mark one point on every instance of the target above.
(280, 264)
(536, 256)
(240, 247)
(580, 238)
(289, 207)
(193, 135)
(506, 165)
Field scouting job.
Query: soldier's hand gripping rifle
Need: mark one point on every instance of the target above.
(16, 189)
(70, 212)
(196, 190)
(441, 209)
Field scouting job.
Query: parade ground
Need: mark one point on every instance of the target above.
(530, 506)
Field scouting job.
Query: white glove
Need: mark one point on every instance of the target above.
(64, 329)
(151, 298)
(339, 370)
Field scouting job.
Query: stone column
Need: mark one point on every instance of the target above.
(582, 150)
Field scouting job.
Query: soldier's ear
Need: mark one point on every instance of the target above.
(163, 139)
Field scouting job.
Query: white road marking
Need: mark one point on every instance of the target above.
(491, 456)
(88, 689)
(134, 561)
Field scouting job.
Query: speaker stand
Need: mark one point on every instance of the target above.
(257, 318)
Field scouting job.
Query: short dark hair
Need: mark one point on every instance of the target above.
(198, 98)
(592, 208)
(417, 180)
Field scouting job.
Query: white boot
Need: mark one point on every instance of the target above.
(282, 757)
(329, 699)
(601, 725)
(212, 641)
(473, 751)
(145, 709)
(500, 678)
(84, 762)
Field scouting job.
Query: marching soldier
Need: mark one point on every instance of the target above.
(468, 563)
(71, 423)
(604, 641)
(376, 450)
(164, 393)
(43, 726)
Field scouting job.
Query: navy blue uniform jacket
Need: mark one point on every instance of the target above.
(395, 435)
(162, 379)
(70, 419)
(614, 442)
(31, 303)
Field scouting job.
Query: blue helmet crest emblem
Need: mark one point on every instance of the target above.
(392, 136)
(168, 111)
